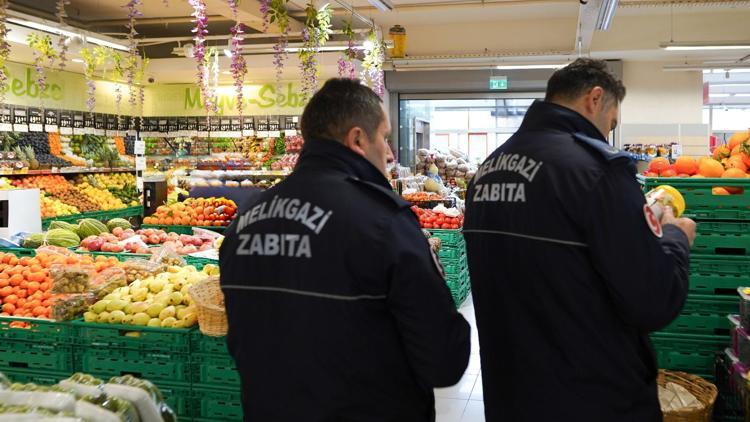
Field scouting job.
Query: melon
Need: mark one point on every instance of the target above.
(90, 227)
(63, 225)
(63, 238)
(119, 222)
(33, 241)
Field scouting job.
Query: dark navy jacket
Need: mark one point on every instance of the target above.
(337, 310)
(567, 277)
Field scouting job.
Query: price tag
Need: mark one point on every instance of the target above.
(140, 163)
(274, 134)
(290, 132)
(20, 128)
(202, 134)
(263, 134)
(6, 127)
(139, 148)
(79, 131)
(66, 131)
(36, 127)
(234, 134)
(248, 132)
(132, 132)
(99, 132)
(51, 128)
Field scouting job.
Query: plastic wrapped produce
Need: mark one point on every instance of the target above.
(70, 278)
(146, 398)
(106, 281)
(69, 307)
(56, 401)
(107, 407)
(168, 256)
(141, 269)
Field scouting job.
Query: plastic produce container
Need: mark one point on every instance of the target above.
(743, 345)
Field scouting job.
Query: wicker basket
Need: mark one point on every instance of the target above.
(703, 390)
(212, 315)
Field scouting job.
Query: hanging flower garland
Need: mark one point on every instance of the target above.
(62, 41)
(278, 13)
(372, 65)
(141, 89)
(132, 60)
(315, 34)
(239, 65)
(117, 73)
(347, 69)
(4, 50)
(199, 52)
(92, 59)
(42, 49)
(264, 10)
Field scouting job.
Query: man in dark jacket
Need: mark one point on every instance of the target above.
(569, 269)
(337, 308)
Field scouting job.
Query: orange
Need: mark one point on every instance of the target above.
(734, 173)
(11, 299)
(711, 168)
(719, 191)
(686, 165)
(668, 173)
(16, 280)
(737, 139)
(9, 308)
(721, 152)
(736, 162)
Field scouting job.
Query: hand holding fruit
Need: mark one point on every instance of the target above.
(685, 224)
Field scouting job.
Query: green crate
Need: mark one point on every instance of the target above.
(155, 367)
(202, 343)
(452, 253)
(692, 353)
(454, 266)
(212, 404)
(722, 238)
(22, 355)
(135, 211)
(217, 370)
(36, 377)
(178, 397)
(37, 330)
(119, 256)
(718, 274)
(182, 229)
(19, 252)
(701, 202)
(704, 314)
(199, 263)
(133, 337)
(448, 237)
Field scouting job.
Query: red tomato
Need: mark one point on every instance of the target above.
(454, 226)
(427, 226)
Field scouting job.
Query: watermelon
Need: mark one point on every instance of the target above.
(119, 222)
(63, 238)
(63, 225)
(90, 227)
(33, 241)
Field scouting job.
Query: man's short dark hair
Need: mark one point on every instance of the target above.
(340, 105)
(579, 77)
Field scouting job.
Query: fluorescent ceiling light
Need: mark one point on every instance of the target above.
(228, 52)
(62, 32)
(77, 61)
(531, 66)
(742, 95)
(382, 5)
(325, 48)
(606, 13)
(702, 46)
(720, 95)
(729, 85)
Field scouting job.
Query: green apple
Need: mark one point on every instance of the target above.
(175, 298)
(155, 309)
(115, 317)
(141, 318)
(154, 322)
(116, 305)
(100, 306)
(168, 312)
(103, 318)
(89, 317)
(127, 320)
(168, 322)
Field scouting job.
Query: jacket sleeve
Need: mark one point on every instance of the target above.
(646, 276)
(435, 336)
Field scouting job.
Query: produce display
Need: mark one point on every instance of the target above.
(451, 165)
(439, 218)
(27, 284)
(422, 196)
(83, 397)
(200, 212)
(84, 193)
(154, 301)
(727, 161)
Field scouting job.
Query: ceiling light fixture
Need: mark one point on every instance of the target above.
(606, 13)
(703, 46)
(228, 52)
(742, 95)
(729, 85)
(77, 61)
(720, 95)
(531, 66)
(57, 31)
(385, 5)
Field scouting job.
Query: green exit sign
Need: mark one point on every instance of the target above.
(498, 82)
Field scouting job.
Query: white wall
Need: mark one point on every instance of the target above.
(663, 107)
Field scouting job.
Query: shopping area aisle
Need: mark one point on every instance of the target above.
(464, 401)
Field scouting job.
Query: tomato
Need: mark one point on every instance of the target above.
(445, 226)
(427, 226)
(454, 226)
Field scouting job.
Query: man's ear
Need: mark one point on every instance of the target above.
(595, 99)
(355, 139)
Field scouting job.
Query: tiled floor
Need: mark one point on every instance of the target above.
(464, 402)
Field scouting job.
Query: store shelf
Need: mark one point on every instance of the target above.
(64, 170)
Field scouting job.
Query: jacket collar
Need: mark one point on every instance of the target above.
(547, 115)
(329, 154)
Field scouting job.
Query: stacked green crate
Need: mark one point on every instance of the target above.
(160, 355)
(719, 263)
(453, 258)
(35, 348)
(216, 382)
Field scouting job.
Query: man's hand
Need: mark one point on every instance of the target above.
(685, 224)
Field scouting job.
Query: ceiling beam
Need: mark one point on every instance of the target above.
(248, 12)
(588, 13)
